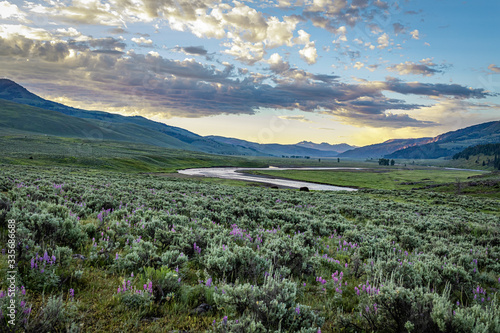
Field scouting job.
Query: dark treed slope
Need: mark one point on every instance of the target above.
(490, 154)
(450, 143)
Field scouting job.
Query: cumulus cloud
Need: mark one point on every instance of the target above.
(277, 65)
(141, 41)
(11, 11)
(383, 41)
(245, 52)
(303, 38)
(358, 65)
(10, 30)
(309, 53)
(414, 34)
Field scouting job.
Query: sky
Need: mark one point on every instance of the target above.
(283, 71)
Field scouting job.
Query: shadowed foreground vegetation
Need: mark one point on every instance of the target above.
(107, 252)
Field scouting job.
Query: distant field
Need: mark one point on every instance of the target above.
(108, 155)
(385, 179)
(40, 150)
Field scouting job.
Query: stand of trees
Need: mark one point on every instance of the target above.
(490, 149)
(386, 161)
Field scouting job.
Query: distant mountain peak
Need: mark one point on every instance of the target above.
(325, 146)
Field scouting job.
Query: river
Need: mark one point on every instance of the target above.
(236, 174)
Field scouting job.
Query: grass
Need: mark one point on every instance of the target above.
(386, 179)
(41, 150)
(104, 155)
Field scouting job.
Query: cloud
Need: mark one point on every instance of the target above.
(277, 65)
(192, 50)
(438, 89)
(11, 11)
(414, 34)
(245, 52)
(11, 30)
(398, 28)
(141, 41)
(303, 38)
(298, 118)
(118, 31)
(113, 78)
(358, 65)
(309, 53)
(494, 68)
(452, 113)
(426, 68)
(383, 41)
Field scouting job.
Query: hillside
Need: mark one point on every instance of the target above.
(135, 129)
(451, 143)
(380, 149)
(13, 118)
(487, 155)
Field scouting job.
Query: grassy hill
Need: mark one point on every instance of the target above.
(28, 119)
(138, 128)
(36, 150)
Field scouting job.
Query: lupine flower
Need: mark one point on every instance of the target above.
(297, 309)
(71, 293)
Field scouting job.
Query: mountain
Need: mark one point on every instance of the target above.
(381, 149)
(451, 143)
(274, 148)
(340, 148)
(133, 129)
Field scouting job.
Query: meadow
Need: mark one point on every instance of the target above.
(107, 251)
(479, 183)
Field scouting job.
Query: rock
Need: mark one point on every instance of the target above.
(78, 256)
(304, 189)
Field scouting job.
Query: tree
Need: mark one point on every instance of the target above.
(383, 161)
(393, 162)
